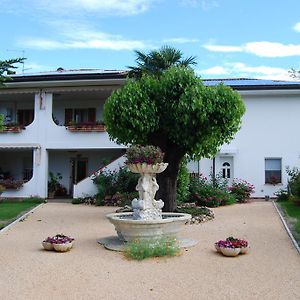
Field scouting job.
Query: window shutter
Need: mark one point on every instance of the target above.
(92, 115)
(20, 116)
(68, 115)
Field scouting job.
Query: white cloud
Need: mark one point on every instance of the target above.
(115, 7)
(85, 43)
(180, 40)
(262, 49)
(238, 69)
(220, 48)
(75, 35)
(216, 70)
(296, 27)
(205, 4)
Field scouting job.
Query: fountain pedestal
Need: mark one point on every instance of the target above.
(146, 207)
(147, 220)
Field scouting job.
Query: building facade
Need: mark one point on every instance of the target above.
(54, 130)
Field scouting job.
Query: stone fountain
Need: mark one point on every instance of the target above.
(147, 221)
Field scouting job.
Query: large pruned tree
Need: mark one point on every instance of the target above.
(176, 112)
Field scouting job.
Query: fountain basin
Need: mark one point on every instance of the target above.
(129, 229)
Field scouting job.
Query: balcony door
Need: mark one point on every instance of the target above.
(78, 171)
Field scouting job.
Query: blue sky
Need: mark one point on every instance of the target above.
(230, 38)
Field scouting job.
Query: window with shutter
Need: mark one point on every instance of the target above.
(68, 115)
(92, 115)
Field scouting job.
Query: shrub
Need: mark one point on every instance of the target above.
(294, 182)
(2, 189)
(241, 190)
(141, 249)
(282, 195)
(112, 184)
(183, 182)
(211, 193)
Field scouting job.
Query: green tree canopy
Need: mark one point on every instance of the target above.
(176, 112)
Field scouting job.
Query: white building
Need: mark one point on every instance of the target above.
(49, 105)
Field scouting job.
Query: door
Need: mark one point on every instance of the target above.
(78, 171)
(226, 168)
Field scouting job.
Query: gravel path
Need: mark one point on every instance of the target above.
(270, 271)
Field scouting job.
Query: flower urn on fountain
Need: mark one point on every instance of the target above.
(147, 221)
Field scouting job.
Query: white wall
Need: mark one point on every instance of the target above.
(269, 130)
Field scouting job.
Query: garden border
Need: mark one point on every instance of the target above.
(20, 218)
(287, 228)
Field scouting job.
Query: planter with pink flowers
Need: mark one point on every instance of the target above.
(59, 243)
(232, 246)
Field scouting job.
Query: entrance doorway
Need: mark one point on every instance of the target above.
(78, 171)
(226, 168)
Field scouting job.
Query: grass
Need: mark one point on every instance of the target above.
(10, 210)
(141, 249)
(292, 210)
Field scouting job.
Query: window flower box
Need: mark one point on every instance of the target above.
(10, 184)
(86, 127)
(12, 128)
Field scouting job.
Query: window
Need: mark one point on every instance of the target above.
(80, 115)
(25, 116)
(273, 170)
(226, 170)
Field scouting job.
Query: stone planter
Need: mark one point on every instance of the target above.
(145, 168)
(217, 248)
(230, 251)
(63, 247)
(48, 246)
(245, 250)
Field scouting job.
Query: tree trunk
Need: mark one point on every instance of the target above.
(167, 180)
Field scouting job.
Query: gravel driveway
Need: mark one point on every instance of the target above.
(270, 271)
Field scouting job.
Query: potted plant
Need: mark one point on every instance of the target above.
(54, 184)
(59, 243)
(242, 244)
(232, 246)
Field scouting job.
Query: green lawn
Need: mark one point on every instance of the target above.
(10, 210)
(293, 212)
